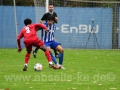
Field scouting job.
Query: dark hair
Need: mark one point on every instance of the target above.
(27, 21)
(51, 3)
(51, 17)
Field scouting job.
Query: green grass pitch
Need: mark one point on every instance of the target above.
(85, 70)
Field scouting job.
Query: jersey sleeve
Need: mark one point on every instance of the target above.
(55, 14)
(20, 35)
(43, 17)
(41, 26)
(18, 39)
(54, 27)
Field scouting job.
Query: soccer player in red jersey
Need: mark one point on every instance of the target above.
(31, 39)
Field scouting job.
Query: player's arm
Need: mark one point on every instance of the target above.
(54, 39)
(56, 18)
(54, 25)
(18, 41)
(42, 26)
(41, 21)
(43, 18)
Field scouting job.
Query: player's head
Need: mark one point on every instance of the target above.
(27, 21)
(50, 19)
(51, 7)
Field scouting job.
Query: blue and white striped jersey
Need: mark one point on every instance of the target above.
(48, 36)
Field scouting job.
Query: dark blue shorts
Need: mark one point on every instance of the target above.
(52, 44)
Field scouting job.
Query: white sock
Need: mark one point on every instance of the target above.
(26, 64)
(50, 62)
(60, 64)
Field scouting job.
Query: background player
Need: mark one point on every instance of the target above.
(44, 18)
(51, 12)
(31, 39)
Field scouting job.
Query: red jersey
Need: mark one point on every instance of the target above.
(29, 33)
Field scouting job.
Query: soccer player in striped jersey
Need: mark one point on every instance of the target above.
(50, 43)
(48, 39)
(45, 16)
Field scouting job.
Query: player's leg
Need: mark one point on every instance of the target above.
(27, 57)
(61, 55)
(58, 48)
(48, 45)
(35, 51)
(40, 44)
(56, 53)
(48, 56)
(52, 56)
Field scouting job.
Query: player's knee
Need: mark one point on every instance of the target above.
(47, 52)
(43, 48)
(61, 50)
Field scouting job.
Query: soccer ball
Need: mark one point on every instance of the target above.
(38, 67)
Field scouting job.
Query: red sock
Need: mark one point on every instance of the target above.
(27, 56)
(48, 56)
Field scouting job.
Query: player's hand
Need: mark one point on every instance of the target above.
(47, 30)
(55, 39)
(19, 49)
(56, 19)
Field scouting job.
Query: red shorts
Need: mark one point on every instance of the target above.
(37, 43)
